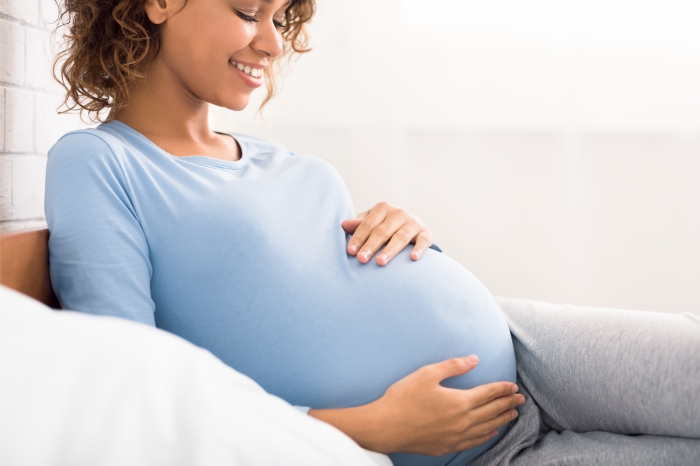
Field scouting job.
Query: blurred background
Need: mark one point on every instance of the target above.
(553, 147)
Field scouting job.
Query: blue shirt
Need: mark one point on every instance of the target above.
(248, 260)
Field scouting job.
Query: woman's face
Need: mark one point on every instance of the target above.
(205, 44)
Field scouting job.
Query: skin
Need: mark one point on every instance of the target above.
(192, 71)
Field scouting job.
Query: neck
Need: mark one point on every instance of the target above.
(163, 107)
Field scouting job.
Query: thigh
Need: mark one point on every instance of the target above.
(604, 449)
(591, 369)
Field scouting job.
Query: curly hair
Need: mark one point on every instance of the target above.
(108, 44)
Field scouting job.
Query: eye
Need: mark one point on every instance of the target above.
(245, 17)
(278, 24)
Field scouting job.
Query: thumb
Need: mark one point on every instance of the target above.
(454, 367)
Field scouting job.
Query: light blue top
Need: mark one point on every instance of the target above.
(248, 260)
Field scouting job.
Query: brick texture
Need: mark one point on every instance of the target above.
(49, 125)
(5, 187)
(12, 41)
(48, 14)
(29, 98)
(19, 121)
(2, 119)
(38, 64)
(25, 11)
(28, 173)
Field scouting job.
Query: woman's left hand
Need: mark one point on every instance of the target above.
(385, 222)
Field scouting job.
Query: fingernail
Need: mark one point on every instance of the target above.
(521, 400)
(363, 255)
(494, 433)
(513, 415)
(419, 253)
(383, 258)
(353, 248)
(515, 389)
(473, 358)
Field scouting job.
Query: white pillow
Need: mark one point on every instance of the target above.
(80, 390)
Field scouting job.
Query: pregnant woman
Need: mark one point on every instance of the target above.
(246, 249)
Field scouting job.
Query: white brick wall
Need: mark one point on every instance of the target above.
(24, 11)
(29, 97)
(12, 58)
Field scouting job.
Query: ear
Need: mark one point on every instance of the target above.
(158, 11)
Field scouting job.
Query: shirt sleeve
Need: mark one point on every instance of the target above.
(98, 253)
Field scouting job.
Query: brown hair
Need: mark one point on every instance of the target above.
(109, 43)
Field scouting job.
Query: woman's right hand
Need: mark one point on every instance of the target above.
(418, 415)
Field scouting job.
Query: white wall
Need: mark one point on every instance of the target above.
(554, 147)
(29, 124)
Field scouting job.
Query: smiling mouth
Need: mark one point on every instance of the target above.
(253, 72)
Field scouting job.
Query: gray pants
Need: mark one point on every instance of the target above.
(602, 387)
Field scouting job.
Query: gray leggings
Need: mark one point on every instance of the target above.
(602, 387)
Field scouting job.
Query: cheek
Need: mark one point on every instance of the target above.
(223, 38)
(199, 57)
(207, 49)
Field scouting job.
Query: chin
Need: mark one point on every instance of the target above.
(233, 102)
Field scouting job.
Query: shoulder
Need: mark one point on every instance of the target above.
(86, 145)
(86, 139)
(86, 151)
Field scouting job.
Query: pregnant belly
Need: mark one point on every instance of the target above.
(339, 335)
(342, 337)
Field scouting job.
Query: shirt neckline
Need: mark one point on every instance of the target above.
(198, 159)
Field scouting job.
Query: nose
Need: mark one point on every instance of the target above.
(268, 40)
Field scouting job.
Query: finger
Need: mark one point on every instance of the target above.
(485, 427)
(482, 394)
(423, 242)
(397, 243)
(473, 442)
(351, 225)
(494, 408)
(380, 236)
(450, 368)
(364, 229)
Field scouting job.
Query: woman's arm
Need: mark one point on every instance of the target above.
(386, 223)
(99, 255)
(418, 415)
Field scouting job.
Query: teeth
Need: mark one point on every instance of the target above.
(254, 72)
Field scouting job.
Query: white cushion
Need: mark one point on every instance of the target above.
(79, 390)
